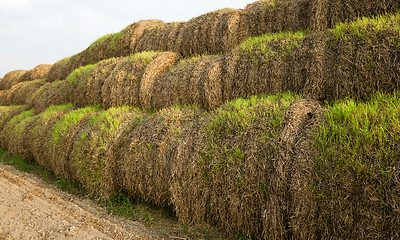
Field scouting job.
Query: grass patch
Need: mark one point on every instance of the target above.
(263, 44)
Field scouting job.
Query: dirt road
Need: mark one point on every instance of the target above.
(29, 209)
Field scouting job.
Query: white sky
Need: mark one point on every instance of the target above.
(34, 32)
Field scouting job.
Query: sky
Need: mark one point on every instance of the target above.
(34, 32)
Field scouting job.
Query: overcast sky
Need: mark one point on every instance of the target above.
(34, 32)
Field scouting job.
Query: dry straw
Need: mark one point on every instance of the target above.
(19, 93)
(92, 141)
(39, 72)
(156, 67)
(220, 31)
(62, 136)
(218, 176)
(112, 82)
(143, 155)
(39, 134)
(11, 79)
(14, 134)
(50, 94)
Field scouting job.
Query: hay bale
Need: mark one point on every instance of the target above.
(6, 114)
(121, 87)
(224, 164)
(292, 168)
(179, 84)
(353, 194)
(19, 93)
(352, 60)
(79, 79)
(260, 66)
(112, 82)
(157, 66)
(56, 71)
(144, 154)
(308, 67)
(11, 79)
(92, 140)
(12, 136)
(61, 138)
(199, 34)
(124, 43)
(39, 133)
(174, 41)
(50, 94)
(39, 72)
(164, 37)
(3, 95)
(326, 14)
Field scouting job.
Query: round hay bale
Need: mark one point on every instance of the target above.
(224, 164)
(309, 67)
(174, 41)
(156, 67)
(6, 114)
(172, 86)
(61, 137)
(122, 86)
(116, 151)
(146, 153)
(3, 95)
(123, 43)
(344, 193)
(213, 85)
(50, 94)
(287, 180)
(11, 79)
(54, 73)
(39, 72)
(39, 133)
(79, 79)
(199, 35)
(13, 134)
(19, 93)
(236, 32)
(93, 138)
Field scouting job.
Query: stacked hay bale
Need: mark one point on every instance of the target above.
(19, 93)
(13, 136)
(39, 133)
(112, 82)
(155, 68)
(91, 142)
(11, 79)
(354, 59)
(350, 188)
(39, 72)
(142, 157)
(50, 94)
(225, 165)
(61, 138)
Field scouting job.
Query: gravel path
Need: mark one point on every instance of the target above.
(30, 209)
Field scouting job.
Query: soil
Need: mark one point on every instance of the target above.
(32, 209)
